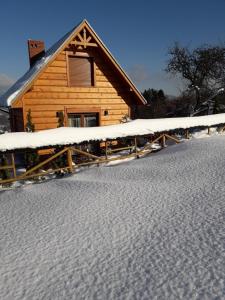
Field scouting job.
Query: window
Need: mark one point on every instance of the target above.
(81, 71)
(83, 119)
(74, 120)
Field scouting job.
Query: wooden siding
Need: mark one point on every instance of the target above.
(51, 93)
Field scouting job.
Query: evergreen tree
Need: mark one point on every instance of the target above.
(156, 100)
(161, 95)
(29, 125)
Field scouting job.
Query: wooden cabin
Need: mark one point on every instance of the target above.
(77, 78)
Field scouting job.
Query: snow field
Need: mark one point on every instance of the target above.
(152, 228)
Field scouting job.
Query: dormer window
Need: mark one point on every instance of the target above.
(80, 71)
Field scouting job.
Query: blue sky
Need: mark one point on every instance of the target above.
(138, 33)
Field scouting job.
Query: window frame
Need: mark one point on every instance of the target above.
(82, 117)
(70, 110)
(92, 62)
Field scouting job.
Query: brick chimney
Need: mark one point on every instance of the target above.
(36, 50)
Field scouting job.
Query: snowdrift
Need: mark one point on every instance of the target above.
(150, 229)
(68, 135)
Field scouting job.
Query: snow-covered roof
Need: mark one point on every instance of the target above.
(24, 83)
(70, 135)
(20, 85)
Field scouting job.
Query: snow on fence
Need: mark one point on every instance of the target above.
(45, 167)
(69, 136)
(63, 138)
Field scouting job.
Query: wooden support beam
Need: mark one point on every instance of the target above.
(209, 131)
(144, 152)
(76, 43)
(163, 137)
(120, 149)
(150, 145)
(10, 167)
(106, 160)
(80, 37)
(187, 136)
(6, 167)
(172, 138)
(18, 178)
(88, 39)
(85, 38)
(42, 164)
(135, 147)
(106, 150)
(69, 160)
(13, 165)
(85, 153)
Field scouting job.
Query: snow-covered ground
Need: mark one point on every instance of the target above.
(151, 228)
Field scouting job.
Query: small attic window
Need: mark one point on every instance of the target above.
(80, 71)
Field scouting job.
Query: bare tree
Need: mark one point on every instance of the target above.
(203, 68)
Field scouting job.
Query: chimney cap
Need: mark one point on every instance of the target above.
(36, 50)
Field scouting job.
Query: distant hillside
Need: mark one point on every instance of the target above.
(5, 83)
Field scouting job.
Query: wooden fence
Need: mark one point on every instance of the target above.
(42, 168)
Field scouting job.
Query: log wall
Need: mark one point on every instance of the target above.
(51, 93)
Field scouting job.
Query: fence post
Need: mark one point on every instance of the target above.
(106, 150)
(69, 160)
(135, 147)
(208, 130)
(13, 165)
(187, 134)
(163, 141)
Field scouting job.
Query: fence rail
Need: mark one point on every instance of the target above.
(71, 165)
